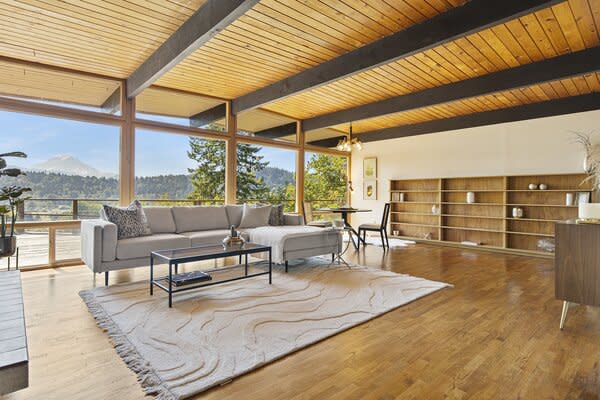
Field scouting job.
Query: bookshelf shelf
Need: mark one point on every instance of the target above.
(488, 221)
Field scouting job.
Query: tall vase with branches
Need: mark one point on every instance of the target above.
(11, 197)
(591, 161)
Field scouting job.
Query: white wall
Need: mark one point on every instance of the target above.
(539, 146)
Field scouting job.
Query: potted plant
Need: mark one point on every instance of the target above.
(10, 199)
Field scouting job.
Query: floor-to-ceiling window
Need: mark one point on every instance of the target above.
(178, 169)
(325, 180)
(266, 175)
(72, 167)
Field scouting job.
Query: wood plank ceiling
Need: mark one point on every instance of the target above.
(108, 37)
(279, 38)
(564, 28)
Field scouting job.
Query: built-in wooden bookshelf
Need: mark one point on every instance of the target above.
(487, 223)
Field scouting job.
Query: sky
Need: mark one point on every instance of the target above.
(98, 145)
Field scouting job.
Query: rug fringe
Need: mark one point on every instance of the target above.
(149, 380)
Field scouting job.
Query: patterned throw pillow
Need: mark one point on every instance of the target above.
(276, 218)
(131, 221)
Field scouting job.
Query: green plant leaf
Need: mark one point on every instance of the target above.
(14, 172)
(19, 154)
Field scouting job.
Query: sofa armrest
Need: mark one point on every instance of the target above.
(98, 243)
(293, 219)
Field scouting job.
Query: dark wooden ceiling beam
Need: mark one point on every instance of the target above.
(205, 23)
(113, 102)
(568, 105)
(328, 142)
(474, 16)
(278, 131)
(560, 67)
(208, 116)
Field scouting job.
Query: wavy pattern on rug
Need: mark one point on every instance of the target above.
(217, 333)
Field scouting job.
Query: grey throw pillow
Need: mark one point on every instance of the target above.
(131, 221)
(276, 217)
(254, 217)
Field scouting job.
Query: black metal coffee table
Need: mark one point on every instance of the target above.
(179, 256)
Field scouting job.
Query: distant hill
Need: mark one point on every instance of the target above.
(276, 177)
(69, 165)
(62, 185)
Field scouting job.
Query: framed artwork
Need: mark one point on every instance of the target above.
(370, 168)
(583, 197)
(370, 190)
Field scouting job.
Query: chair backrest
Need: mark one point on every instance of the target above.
(386, 215)
(307, 212)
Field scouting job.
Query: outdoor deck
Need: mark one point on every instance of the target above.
(33, 248)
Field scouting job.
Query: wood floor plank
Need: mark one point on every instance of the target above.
(493, 335)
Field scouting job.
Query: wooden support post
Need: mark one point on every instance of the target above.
(127, 151)
(231, 158)
(300, 168)
(51, 246)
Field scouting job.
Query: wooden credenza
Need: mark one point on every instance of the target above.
(577, 265)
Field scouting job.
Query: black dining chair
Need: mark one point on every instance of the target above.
(382, 228)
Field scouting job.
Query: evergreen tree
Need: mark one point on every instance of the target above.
(208, 178)
(249, 165)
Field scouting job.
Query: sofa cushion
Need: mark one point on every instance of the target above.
(131, 221)
(142, 246)
(198, 218)
(255, 216)
(160, 219)
(276, 218)
(234, 214)
(205, 238)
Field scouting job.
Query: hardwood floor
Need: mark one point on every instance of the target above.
(494, 335)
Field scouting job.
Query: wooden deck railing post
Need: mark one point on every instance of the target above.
(75, 208)
(51, 245)
(21, 211)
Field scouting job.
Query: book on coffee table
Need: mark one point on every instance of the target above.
(187, 278)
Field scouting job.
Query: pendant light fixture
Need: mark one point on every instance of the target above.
(348, 143)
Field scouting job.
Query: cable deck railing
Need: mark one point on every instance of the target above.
(48, 228)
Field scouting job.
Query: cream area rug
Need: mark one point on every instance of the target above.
(214, 334)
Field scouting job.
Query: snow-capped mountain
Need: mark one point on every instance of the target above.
(69, 165)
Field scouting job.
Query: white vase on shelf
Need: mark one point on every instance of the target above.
(470, 197)
(517, 212)
(570, 199)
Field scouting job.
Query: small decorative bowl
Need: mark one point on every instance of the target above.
(233, 242)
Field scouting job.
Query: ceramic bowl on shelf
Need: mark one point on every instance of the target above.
(543, 186)
(533, 186)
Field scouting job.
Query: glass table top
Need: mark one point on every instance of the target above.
(207, 251)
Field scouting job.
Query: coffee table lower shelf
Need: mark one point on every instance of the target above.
(204, 253)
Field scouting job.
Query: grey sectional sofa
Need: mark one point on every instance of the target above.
(181, 227)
